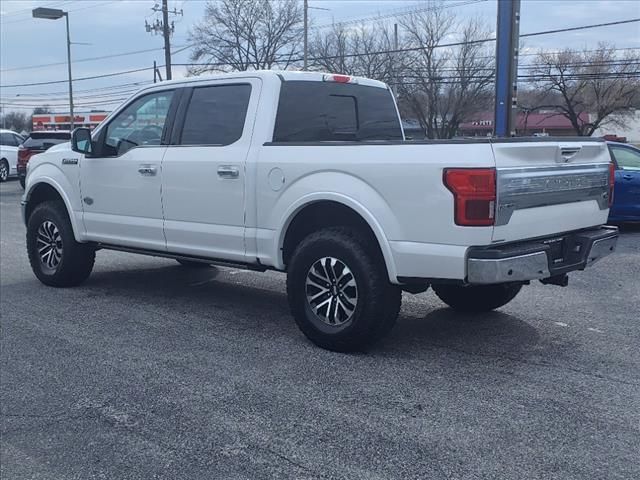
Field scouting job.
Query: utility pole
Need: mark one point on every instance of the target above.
(507, 45)
(306, 33)
(165, 34)
(306, 8)
(71, 115)
(166, 30)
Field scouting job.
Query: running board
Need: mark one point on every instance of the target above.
(210, 261)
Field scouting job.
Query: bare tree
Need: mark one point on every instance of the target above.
(16, 121)
(446, 85)
(363, 50)
(247, 34)
(588, 87)
(42, 110)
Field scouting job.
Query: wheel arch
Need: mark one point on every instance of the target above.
(47, 189)
(330, 209)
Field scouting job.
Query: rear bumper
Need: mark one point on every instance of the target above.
(538, 259)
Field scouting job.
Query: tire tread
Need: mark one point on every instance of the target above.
(78, 258)
(385, 298)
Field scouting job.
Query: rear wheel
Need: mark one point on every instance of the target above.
(477, 298)
(22, 182)
(339, 292)
(55, 256)
(4, 170)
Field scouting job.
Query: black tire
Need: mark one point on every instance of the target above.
(377, 300)
(192, 264)
(75, 260)
(4, 170)
(477, 298)
(23, 182)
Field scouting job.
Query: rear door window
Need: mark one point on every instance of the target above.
(326, 111)
(216, 115)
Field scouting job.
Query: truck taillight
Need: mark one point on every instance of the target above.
(474, 193)
(612, 181)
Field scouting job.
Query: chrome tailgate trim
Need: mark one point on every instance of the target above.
(529, 187)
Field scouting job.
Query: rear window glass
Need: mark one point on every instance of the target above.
(328, 111)
(45, 140)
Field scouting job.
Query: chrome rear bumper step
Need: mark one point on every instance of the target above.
(540, 258)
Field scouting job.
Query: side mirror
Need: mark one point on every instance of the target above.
(81, 141)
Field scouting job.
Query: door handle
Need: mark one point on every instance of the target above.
(147, 170)
(228, 171)
(628, 176)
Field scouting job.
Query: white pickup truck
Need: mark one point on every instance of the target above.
(310, 174)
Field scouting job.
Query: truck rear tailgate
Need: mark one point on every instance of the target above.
(551, 186)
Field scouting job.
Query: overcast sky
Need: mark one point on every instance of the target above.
(117, 26)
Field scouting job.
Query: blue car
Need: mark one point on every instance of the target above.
(626, 196)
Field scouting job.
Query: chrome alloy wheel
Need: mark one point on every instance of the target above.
(49, 245)
(4, 171)
(332, 292)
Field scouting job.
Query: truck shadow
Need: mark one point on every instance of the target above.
(491, 333)
(249, 307)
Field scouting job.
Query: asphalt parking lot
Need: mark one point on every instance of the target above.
(151, 370)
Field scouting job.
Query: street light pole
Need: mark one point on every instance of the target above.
(55, 14)
(72, 117)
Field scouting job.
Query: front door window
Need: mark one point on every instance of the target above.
(139, 124)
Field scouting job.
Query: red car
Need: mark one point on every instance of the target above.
(38, 142)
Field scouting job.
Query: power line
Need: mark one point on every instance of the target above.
(89, 59)
(395, 13)
(99, 89)
(584, 27)
(68, 11)
(78, 79)
(444, 45)
(350, 55)
(28, 10)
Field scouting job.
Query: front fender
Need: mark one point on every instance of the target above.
(51, 175)
(346, 189)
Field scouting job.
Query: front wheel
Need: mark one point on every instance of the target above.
(477, 298)
(55, 256)
(339, 291)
